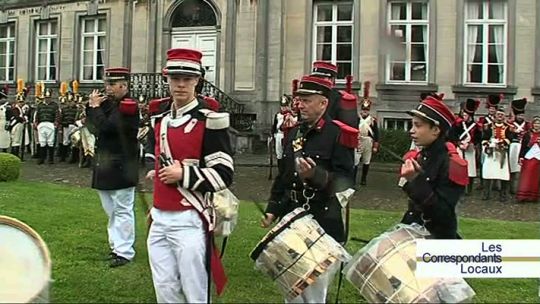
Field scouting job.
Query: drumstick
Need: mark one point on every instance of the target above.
(396, 156)
(259, 206)
(360, 240)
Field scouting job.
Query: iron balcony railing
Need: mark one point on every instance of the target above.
(153, 85)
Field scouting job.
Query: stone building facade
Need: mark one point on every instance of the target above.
(254, 48)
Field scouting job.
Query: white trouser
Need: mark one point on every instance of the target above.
(17, 135)
(177, 251)
(118, 204)
(513, 157)
(66, 140)
(46, 134)
(364, 151)
(316, 292)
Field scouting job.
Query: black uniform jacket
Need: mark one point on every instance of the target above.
(458, 130)
(333, 174)
(433, 195)
(116, 165)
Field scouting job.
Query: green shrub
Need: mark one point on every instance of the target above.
(397, 141)
(10, 167)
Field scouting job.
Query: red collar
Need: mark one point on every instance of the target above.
(320, 124)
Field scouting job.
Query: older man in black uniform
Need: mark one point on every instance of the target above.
(434, 179)
(114, 119)
(317, 165)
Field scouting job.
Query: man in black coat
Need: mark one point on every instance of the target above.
(316, 170)
(114, 120)
(434, 179)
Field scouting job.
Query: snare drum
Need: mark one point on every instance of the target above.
(296, 252)
(25, 265)
(384, 271)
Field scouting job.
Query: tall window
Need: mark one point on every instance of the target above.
(485, 42)
(46, 50)
(333, 35)
(7, 51)
(93, 48)
(404, 124)
(408, 50)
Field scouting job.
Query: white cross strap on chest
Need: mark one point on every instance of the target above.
(489, 121)
(467, 130)
(519, 128)
(365, 124)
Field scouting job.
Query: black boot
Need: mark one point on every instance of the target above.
(35, 155)
(41, 151)
(15, 151)
(514, 179)
(355, 175)
(87, 162)
(62, 151)
(468, 189)
(50, 154)
(503, 196)
(74, 157)
(481, 184)
(487, 190)
(365, 169)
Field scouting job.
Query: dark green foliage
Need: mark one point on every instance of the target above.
(10, 167)
(397, 141)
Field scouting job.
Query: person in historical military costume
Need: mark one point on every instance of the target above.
(68, 118)
(423, 96)
(114, 119)
(5, 113)
(189, 157)
(434, 178)
(495, 142)
(368, 136)
(19, 121)
(342, 103)
(83, 140)
(485, 122)
(529, 158)
(467, 134)
(46, 121)
(277, 130)
(318, 164)
(519, 126)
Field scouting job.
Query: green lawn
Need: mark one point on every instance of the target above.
(72, 223)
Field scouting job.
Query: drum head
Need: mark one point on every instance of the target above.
(25, 266)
